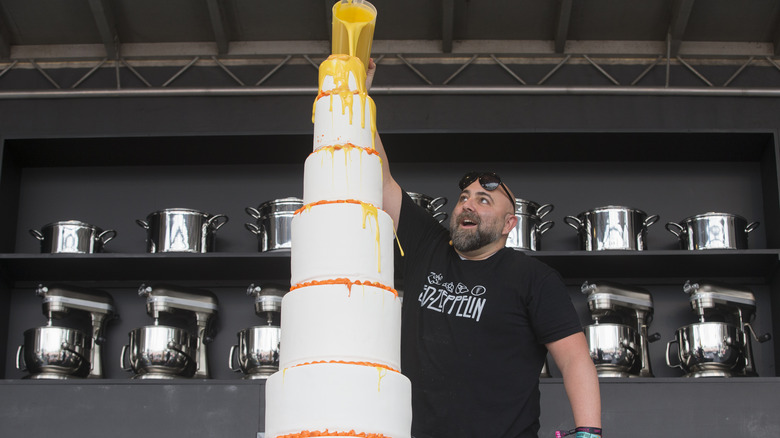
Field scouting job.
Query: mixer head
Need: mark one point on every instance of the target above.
(606, 299)
(175, 300)
(708, 298)
(60, 300)
(268, 301)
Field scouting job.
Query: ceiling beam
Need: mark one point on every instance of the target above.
(447, 24)
(219, 25)
(562, 26)
(680, 14)
(104, 19)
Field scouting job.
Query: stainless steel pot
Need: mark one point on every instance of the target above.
(713, 231)
(72, 237)
(257, 352)
(432, 205)
(612, 228)
(613, 347)
(524, 206)
(273, 226)
(706, 347)
(158, 351)
(526, 235)
(54, 353)
(181, 230)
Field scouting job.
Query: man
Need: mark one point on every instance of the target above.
(479, 319)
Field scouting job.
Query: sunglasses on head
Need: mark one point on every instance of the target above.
(488, 180)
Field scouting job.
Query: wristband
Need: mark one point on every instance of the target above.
(580, 432)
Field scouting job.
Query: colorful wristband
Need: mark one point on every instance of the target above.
(580, 432)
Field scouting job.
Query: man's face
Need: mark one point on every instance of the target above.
(479, 218)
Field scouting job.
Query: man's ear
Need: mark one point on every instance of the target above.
(509, 224)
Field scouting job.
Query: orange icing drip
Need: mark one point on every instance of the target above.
(339, 68)
(378, 366)
(348, 147)
(316, 433)
(347, 282)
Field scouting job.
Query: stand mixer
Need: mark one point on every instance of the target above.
(59, 352)
(727, 311)
(167, 351)
(258, 346)
(618, 338)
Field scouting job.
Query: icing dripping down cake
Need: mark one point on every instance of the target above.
(339, 365)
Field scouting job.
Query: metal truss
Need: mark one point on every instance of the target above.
(510, 64)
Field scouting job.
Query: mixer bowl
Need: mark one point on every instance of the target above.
(54, 353)
(613, 347)
(258, 351)
(706, 347)
(161, 352)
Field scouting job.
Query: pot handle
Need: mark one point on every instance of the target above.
(20, 364)
(441, 216)
(142, 224)
(122, 358)
(573, 222)
(752, 226)
(543, 210)
(437, 203)
(545, 226)
(669, 362)
(651, 220)
(252, 212)
(679, 229)
(106, 236)
(253, 228)
(233, 349)
(214, 221)
(37, 234)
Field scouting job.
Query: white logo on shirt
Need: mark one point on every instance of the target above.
(458, 300)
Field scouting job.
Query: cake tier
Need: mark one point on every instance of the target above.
(338, 398)
(344, 239)
(343, 172)
(342, 74)
(341, 119)
(341, 322)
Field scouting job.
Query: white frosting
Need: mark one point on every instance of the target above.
(344, 173)
(335, 127)
(338, 398)
(332, 322)
(338, 240)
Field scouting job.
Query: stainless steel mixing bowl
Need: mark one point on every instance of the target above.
(706, 348)
(613, 347)
(54, 353)
(160, 352)
(258, 352)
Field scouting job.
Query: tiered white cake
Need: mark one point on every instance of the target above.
(341, 321)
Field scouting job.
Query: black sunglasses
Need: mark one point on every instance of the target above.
(488, 180)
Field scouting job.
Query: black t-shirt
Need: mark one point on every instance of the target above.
(473, 333)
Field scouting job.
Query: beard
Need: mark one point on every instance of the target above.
(475, 238)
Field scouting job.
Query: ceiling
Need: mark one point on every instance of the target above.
(121, 28)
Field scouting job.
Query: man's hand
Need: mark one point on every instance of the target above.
(370, 73)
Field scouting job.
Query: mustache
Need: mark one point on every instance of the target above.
(467, 215)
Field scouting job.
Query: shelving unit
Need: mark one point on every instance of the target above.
(114, 173)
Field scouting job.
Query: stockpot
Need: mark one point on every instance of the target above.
(706, 346)
(160, 351)
(181, 230)
(612, 228)
(713, 231)
(273, 226)
(529, 228)
(613, 347)
(527, 233)
(72, 236)
(54, 353)
(432, 205)
(257, 352)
